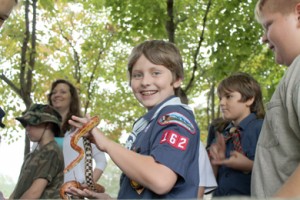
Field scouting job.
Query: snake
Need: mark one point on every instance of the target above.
(93, 122)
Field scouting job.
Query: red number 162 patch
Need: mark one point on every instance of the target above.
(174, 139)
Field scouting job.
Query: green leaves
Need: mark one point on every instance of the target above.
(88, 43)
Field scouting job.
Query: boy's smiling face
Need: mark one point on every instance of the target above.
(282, 33)
(6, 7)
(152, 84)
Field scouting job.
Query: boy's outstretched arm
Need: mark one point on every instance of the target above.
(291, 187)
(142, 169)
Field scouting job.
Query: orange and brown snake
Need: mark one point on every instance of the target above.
(74, 140)
(94, 121)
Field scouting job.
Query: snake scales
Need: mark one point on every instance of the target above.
(88, 160)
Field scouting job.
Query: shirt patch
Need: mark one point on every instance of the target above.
(177, 118)
(175, 140)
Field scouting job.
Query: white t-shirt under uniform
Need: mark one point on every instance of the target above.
(207, 177)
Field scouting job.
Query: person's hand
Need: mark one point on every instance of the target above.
(79, 122)
(217, 149)
(87, 193)
(236, 161)
(95, 135)
(239, 161)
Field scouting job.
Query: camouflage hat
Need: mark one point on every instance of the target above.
(41, 113)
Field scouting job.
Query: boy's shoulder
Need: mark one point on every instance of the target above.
(251, 122)
(179, 115)
(251, 118)
(179, 109)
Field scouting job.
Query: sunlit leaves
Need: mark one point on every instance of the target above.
(88, 43)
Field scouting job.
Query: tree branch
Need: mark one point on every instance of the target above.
(196, 54)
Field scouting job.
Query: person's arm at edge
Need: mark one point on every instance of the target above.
(201, 190)
(291, 186)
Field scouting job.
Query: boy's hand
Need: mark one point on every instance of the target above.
(237, 161)
(95, 135)
(217, 149)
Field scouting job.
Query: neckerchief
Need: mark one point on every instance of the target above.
(234, 134)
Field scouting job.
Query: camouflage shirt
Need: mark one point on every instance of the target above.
(46, 163)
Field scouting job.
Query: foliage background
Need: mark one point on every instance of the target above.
(88, 42)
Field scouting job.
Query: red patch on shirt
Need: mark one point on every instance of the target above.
(174, 139)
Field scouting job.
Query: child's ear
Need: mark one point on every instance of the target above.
(249, 102)
(177, 83)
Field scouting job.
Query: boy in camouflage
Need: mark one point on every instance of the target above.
(42, 171)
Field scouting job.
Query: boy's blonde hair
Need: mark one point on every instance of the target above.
(160, 52)
(281, 6)
(248, 87)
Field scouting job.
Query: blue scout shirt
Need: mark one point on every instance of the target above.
(235, 182)
(172, 139)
